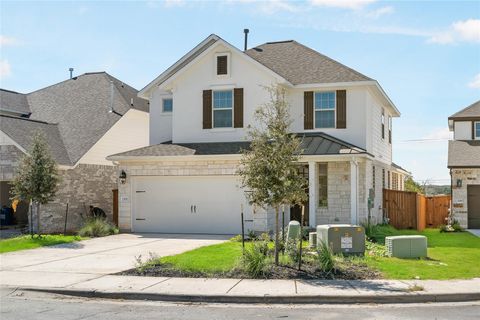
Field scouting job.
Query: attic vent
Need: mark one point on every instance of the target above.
(222, 65)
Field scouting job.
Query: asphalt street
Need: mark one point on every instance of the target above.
(21, 305)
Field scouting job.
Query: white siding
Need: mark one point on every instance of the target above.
(462, 130)
(130, 132)
(160, 122)
(355, 133)
(378, 146)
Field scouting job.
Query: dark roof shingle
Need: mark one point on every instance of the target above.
(463, 154)
(312, 144)
(472, 110)
(14, 102)
(302, 65)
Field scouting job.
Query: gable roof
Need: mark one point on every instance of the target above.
(463, 154)
(14, 102)
(472, 110)
(22, 130)
(317, 143)
(302, 65)
(80, 109)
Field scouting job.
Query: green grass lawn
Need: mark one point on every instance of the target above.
(210, 259)
(26, 242)
(453, 255)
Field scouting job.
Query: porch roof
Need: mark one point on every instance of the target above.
(317, 143)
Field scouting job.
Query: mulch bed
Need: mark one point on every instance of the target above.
(347, 271)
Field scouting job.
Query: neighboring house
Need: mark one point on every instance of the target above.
(83, 119)
(397, 178)
(200, 110)
(464, 165)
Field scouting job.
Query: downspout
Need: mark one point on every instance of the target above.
(451, 198)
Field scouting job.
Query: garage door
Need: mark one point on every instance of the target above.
(473, 192)
(187, 204)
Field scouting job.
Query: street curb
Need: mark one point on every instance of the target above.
(267, 299)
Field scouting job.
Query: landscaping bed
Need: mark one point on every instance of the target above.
(450, 256)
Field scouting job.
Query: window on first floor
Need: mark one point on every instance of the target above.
(322, 185)
(222, 109)
(324, 105)
(383, 178)
(476, 130)
(373, 177)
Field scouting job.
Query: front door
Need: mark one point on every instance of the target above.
(473, 192)
(296, 210)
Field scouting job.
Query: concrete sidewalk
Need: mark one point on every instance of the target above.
(258, 291)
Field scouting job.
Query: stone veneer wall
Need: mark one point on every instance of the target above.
(9, 156)
(459, 194)
(80, 187)
(338, 209)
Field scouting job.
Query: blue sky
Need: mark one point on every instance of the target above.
(425, 54)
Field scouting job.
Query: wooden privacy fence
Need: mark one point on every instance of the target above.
(411, 210)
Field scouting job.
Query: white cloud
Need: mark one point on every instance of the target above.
(5, 69)
(343, 4)
(475, 83)
(439, 134)
(8, 41)
(460, 31)
(377, 13)
(273, 6)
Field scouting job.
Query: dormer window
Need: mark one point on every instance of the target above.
(222, 65)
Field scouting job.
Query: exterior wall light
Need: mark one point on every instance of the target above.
(459, 183)
(123, 177)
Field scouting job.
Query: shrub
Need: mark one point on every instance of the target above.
(263, 242)
(251, 235)
(255, 261)
(456, 226)
(237, 238)
(291, 249)
(151, 261)
(97, 227)
(325, 258)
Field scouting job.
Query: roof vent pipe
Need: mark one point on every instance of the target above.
(246, 39)
(71, 72)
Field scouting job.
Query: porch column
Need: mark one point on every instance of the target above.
(312, 193)
(353, 191)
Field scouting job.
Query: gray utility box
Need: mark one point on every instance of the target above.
(342, 238)
(406, 246)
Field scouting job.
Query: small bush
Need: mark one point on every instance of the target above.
(251, 235)
(97, 227)
(255, 261)
(456, 226)
(237, 238)
(151, 261)
(291, 249)
(325, 258)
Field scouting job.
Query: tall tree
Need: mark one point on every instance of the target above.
(269, 170)
(36, 179)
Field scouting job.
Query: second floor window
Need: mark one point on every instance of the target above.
(383, 124)
(167, 105)
(476, 130)
(389, 129)
(324, 105)
(222, 109)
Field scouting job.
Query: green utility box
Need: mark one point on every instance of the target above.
(293, 231)
(406, 246)
(342, 238)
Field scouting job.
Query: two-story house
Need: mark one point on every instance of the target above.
(200, 110)
(464, 165)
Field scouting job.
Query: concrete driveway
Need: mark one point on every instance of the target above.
(71, 263)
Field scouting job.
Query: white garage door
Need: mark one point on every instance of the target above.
(188, 204)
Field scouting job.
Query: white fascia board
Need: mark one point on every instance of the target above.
(144, 93)
(335, 84)
(166, 85)
(385, 96)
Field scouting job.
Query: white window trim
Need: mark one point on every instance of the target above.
(475, 124)
(163, 103)
(334, 110)
(229, 65)
(382, 125)
(213, 110)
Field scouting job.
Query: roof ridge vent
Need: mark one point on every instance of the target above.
(282, 41)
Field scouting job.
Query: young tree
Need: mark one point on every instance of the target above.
(411, 185)
(36, 178)
(269, 169)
